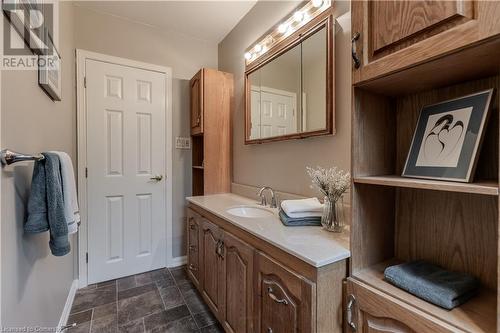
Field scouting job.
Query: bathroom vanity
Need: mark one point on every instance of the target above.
(257, 275)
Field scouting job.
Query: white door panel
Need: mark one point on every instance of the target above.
(278, 116)
(125, 148)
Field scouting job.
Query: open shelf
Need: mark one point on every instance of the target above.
(479, 187)
(476, 315)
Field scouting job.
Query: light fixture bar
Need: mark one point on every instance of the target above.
(288, 26)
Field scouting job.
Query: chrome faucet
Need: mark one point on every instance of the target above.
(263, 200)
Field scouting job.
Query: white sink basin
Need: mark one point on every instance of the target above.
(250, 211)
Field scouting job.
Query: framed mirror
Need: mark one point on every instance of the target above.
(289, 90)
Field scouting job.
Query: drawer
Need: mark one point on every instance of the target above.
(369, 310)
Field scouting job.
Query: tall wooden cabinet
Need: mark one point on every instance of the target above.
(427, 53)
(394, 35)
(211, 96)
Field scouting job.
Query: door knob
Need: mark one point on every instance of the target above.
(157, 178)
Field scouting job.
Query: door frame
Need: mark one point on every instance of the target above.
(81, 57)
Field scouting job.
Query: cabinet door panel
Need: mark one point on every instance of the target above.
(193, 251)
(396, 35)
(284, 301)
(237, 291)
(211, 263)
(196, 92)
(375, 312)
(393, 22)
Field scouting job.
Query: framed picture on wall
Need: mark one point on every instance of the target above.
(448, 137)
(49, 71)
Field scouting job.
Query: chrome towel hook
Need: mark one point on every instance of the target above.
(8, 157)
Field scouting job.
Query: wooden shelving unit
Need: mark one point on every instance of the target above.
(479, 187)
(474, 316)
(396, 219)
(211, 108)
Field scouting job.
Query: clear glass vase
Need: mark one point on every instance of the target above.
(333, 218)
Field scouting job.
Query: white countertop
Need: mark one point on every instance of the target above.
(313, 245)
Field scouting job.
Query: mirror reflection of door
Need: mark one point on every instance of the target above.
(288, 94)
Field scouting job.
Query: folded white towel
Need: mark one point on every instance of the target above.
(71, 210)
(302, 206)
(305, 215)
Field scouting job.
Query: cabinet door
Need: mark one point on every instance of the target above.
(371, 311)
(196, 92)
(237, 276)
(193, 250)
(211, 263)
(284, 301)
(398, 34)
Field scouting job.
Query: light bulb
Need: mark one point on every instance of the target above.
(248, 56)
(258, 48)
(317, 3)
(298, 16)
(282, 28)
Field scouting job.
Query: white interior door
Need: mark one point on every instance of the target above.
(125, 151)
(278, 116)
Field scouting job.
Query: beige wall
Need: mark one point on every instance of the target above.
(35, 284)
(282, 164)
(127, 39)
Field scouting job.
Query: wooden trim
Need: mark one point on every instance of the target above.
(324, 20)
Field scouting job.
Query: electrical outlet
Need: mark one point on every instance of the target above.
(182, 142)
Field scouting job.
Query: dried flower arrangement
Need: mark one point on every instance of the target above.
(331, 182)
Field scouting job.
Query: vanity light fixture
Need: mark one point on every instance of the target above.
(287, 27)
(283, 27)
(298, 16)
(317, 3)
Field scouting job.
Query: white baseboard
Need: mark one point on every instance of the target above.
(68, 305)
(177, 261)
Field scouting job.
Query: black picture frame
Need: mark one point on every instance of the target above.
(448, 137)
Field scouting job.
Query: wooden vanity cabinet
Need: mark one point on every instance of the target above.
(284, 301)
(253, 287)
(394, 35)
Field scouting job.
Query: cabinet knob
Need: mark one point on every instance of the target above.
(192, 267)
(192, 226)
(355, 57)
(192, 248)
(269, 330)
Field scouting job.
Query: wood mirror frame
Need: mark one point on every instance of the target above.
(324, 20)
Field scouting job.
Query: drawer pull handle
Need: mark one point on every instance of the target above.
(269, 330)
(192, 267)
(274, 298)
(355, 57)
(192, 248)
(351, 303)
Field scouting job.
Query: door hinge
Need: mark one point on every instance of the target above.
(85, 82)
(87, 257)
(86, 173)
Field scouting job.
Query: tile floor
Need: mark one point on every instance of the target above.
(158, 301)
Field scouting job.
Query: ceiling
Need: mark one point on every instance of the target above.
(207, 20)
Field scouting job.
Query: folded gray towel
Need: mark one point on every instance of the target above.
(433, 283)
(46, 204)
(295, 222)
